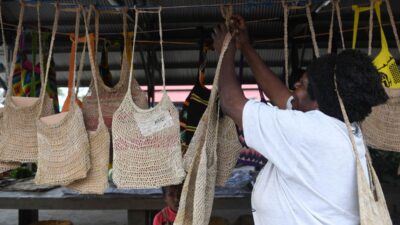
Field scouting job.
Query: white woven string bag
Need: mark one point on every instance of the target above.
(96, 181)
(147, 149)
(4, 166)
(63, 141)
(111, 97)
(20, 140)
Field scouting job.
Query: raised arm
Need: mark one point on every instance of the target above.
(231, 94)
(268, 81)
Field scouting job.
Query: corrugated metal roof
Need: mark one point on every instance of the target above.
(265, 24)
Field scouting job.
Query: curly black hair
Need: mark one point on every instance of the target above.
(359, 84)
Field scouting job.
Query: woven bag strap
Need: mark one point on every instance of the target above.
(43, 89)
(6, 65)
(335, 7)
(311, 25)
(226, 12)
(285, 39)
(396, 35)
(93, 65)
(53, 36)
(137, 12)
(96, 29)
(15, 51)
(353, 142)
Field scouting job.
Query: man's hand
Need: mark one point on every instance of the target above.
(218, 36)
(240, 31)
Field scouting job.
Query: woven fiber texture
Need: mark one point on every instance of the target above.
(200, 161)
(96, 181)
(19, 123)
(147, 149)
(5, 166)
(63, 145)
(228, 149)
(111, 98)
(381, 129)
(372, 205)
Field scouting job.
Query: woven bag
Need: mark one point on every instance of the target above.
(200, 161)
(381, 129)
(111, 98)
(5, 166)
(19, 114)
(228, 149)
(96, 181)
(147, 149)
(62, 138)
(372, 205)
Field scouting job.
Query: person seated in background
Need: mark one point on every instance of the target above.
(171, 195)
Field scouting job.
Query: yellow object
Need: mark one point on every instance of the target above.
(384, 61)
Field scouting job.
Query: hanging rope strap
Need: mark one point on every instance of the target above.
(392, 22)
(46, 73)
(4, 42)
(311, 25)
(226, 11)
(335, 7)
(339, 17)
(350, 132)
(331, 28)
(285, 40)
(371, 26)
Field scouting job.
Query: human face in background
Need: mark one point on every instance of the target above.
(172, 197)
(301, 99)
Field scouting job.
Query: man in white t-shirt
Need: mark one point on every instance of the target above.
(310, 178)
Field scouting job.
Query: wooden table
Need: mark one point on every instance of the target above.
(139, 205)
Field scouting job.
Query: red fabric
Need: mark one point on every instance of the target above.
(159, 218)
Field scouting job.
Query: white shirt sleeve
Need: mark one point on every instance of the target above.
(272, 132)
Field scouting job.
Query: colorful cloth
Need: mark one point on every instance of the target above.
(165, 217)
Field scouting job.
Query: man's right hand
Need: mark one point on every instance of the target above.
(240, 30)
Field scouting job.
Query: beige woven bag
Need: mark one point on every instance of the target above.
(62, 138)
(381, 128)
(96, 181)
(200, 161)
(372, 204)
(4, 166)
(111, 98)
(20, 140)
(228, 149)
(147, 149)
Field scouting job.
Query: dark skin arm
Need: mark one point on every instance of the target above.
(268, 81)
(231, 95)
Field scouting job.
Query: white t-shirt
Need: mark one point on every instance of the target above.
(310, 178)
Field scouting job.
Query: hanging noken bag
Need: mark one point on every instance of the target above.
(111, 97)
(71, 71)
(63, 141)
(200, 160)
(4, 166)
(381, 127)
(372, 205)
(384, 61)
(147, 149)
(19, 114)
(96, 181)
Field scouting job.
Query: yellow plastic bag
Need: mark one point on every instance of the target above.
(384, 61)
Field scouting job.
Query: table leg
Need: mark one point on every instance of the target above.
(28, 216)
(137, 217)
